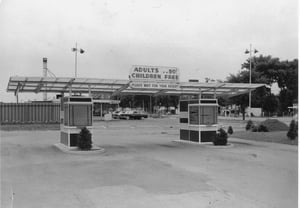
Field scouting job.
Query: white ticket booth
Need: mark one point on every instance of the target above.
(198, 120)
(76, 113)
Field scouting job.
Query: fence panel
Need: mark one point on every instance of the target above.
(26, 113)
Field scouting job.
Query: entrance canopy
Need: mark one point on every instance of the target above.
(113, 87)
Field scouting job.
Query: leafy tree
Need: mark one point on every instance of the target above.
(84, 141)
(222, 101)
(258, 63)
(293, 130)
(249, 125)
(221, 137)
(270, 104)
(268, 70)
(230, 130)
(256, 96)
(126, 100)
(242, 101)
(285, 74)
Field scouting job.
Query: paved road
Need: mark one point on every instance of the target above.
(144, 167)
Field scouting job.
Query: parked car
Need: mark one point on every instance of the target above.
(116, 114)
(133, 115)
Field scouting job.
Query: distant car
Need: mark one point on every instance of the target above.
(133, 115)
(116, 114)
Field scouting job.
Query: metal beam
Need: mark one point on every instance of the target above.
(115, 87)
(41, 83)
(237, 93)
(39, 87)
(160, 92)
(18, 88)
(68, 84)
(121, 89)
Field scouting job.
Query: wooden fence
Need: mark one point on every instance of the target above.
(29, 113)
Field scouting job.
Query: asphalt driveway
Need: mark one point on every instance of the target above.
(143, 166)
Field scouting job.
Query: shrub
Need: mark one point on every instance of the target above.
(221, 137)
(249, 125)
(262, 128)
(230, 130)
(84, 140)
(275, 125)
(254, 128)
(293, 130)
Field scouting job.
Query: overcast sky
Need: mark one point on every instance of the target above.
(201, 38)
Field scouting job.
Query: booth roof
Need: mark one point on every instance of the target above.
(18, 84)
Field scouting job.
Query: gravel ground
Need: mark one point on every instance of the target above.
(142, 166)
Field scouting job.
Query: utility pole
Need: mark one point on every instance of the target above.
(44, 76)
(76, 50)
(250, 77)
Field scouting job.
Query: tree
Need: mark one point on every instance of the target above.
(270, 104)
(84, 141)
(285, 74)
(293, 130)
(243, 100)
(221, 137)
(126, 100)
(249, 125)
(230, 130)
(268, 70)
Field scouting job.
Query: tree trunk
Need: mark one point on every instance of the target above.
(243, 112)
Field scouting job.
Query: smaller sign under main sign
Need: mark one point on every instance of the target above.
(153, 85)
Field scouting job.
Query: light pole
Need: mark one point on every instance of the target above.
(250, 81)
(76, 50)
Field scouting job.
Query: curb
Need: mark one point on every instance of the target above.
(206, 144)
(65, 149)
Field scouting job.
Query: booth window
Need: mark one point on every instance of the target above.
(66, 115)
(208, 115)
(79, 115)
(194, 115)
(205, 115)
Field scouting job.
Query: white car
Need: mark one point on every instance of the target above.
(116, 114)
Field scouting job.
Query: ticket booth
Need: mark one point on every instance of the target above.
(76, 113)
(198, 120)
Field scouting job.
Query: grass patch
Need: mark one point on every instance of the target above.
(276, 137)
(29, 127)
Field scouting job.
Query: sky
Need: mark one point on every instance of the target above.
(201, 38)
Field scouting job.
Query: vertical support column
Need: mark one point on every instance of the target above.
(249, 103)
(200, 94)
(76, 60)
(61, 113)
(70, 90)
(101, 110)
(150, 104)
(17, 97)
(143, 105)
(215, 93)
(90, 92)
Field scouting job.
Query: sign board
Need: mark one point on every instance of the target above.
(154, 73)
(154, 85)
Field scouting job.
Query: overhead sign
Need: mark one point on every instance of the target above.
(154, 73)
